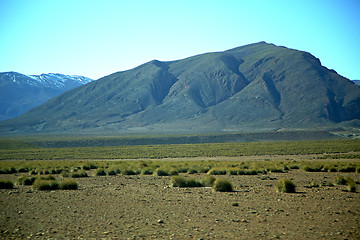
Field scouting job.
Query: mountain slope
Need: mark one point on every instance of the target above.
(255, 87)
(19, 93)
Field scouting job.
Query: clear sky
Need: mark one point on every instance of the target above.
(97, 38)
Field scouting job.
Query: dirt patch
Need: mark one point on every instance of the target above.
(145, 207)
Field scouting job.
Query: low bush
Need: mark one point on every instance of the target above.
(112, 172)
(286, 186)
(40, 184)
(161, 172)
(68, 184)
(173, 172)
(192, 171)
(180, 181)
(222, 185)
(6, 184)
(347, 169)
(129, 172)
(217, 172)
(48, 177)
(313, 168)
(100, 172)
(147, 171)
(79, 174)
(89, 166)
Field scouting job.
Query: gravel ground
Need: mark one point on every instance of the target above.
(145, 207)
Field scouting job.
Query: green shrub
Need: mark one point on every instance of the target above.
(6, 184)
(48, 177)
(173, 172)
(112, 172)
(40, 184)
(100, 172)
(217, 172)
(89, 166)
(56, 171)
(23, 170)
(347, 169)
(247, 172)
(161, 172)
(222, 185)
(180, 181)
(79, 174)
(68, 184)
(86, 167)
(192, 171)
(129, 172)
(207, 181)
(313, 168)
(147, 171)
(286, 186)
(24, 180)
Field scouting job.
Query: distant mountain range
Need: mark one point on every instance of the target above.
(19, 93)
(256, 87)
(357, 82)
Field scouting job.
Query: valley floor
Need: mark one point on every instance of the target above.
(146, 207)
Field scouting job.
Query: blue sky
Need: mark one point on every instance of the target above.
(97, 38)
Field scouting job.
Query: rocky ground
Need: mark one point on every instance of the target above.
(145, 207)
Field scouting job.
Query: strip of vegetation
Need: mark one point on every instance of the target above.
(184, 150)
(76, 169)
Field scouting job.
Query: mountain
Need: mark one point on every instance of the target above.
(357, 82)
(19, 93)
(256, 87)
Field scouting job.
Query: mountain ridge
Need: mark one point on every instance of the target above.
(19, 92)
(259, 87)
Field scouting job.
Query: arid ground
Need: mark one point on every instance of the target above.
(146, 207)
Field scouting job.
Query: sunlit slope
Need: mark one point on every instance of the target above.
(255, 87)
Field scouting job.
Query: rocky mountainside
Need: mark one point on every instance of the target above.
(255, 87)
(19, 93)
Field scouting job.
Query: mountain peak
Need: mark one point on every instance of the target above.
(20, 93)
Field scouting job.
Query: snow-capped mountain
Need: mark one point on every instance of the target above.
(19, 93)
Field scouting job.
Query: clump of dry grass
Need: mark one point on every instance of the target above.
(24, 180)
(68, 184)
(222, 185)
(180, 181)
(286, 186)
(41, 184)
